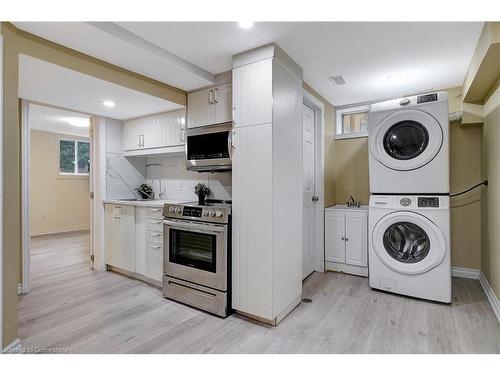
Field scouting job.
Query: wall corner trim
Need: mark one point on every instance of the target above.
(13, 348)
(475, 274)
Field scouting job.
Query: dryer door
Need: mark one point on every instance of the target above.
(408, 242)
(406, 140)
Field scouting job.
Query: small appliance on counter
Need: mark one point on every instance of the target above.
(197, 255)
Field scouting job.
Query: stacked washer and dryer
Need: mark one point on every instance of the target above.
(409, 211)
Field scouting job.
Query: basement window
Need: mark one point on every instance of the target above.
(352, 122)
(74, 157)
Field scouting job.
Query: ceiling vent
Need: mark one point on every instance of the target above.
(339, 80)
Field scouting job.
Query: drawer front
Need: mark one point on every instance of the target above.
(154, 212)
(155, 225)
(154, 237)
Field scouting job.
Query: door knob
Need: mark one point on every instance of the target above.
(315, 199)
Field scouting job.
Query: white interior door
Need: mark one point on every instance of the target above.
(309, 189)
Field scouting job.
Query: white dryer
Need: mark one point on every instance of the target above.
(409, 245)
(408, 141)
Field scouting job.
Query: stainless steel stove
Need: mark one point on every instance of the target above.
(197, 255)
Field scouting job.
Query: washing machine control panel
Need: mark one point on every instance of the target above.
(428, 202)
(405, 202)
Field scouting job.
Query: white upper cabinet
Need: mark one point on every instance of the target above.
(200, 108)
(210, 106)
(154, 132)
(253, 93)
(173, 128)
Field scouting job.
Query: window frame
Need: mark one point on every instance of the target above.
(74, 139)
(339, 134)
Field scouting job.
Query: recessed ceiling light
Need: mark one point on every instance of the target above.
(245, 24)
(339, 80)
(79, 122)
(394, 76)
(108, 103)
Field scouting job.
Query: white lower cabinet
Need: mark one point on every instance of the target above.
(120, 236)
(134, 240)
(346, 240)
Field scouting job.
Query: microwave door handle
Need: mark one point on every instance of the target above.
(230, 143)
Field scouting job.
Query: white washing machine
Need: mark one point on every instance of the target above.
(409, 245)
(408, 140)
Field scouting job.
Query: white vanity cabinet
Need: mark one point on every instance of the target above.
(346, 239)
(119, 222)
(210, 106)
(160, 133)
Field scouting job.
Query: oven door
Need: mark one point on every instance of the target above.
(208, 148)
(196, 252)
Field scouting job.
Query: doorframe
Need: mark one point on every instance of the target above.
(25, 197)
(319, 163)
(1, 193)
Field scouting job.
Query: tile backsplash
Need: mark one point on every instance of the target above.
(178, 183)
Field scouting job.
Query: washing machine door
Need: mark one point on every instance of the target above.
(406, 140)
(408, 242)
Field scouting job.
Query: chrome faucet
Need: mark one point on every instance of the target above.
(352, 203)
(161, 192)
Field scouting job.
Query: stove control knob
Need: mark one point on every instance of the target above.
(178, 210)
(212, 213)
(218, 213)
(206, 213)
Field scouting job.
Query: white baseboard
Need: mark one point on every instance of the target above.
(471, 273)
(14, 347)
(465, 273)
(492, 297)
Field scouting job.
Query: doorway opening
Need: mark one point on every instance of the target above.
(56, 190)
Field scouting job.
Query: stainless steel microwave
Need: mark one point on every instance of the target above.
(208, 148)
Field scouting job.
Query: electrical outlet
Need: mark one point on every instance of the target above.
(179, 184)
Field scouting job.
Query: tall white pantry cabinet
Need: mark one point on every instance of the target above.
(267, 184)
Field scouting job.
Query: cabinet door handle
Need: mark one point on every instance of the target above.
(155, 221)
(142, 144)
(347, 239)
(139, 140)
(156, 234)
(156, 209)
(117, 217)
(210, 99)
(234, 112)
(155, 247)
(216, 99)
(342, 238)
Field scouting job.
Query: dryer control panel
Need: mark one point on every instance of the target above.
(428, 202)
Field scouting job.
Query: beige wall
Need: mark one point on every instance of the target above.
(18, 42)
(490, 256)
(57, 203)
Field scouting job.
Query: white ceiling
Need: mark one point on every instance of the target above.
(54, 120)
(47, 83)
(419, 56)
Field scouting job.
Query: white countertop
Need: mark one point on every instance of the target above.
(145, 203)
(363, 207)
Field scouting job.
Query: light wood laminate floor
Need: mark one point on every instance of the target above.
(82, 311)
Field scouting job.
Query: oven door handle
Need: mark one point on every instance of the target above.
(194, 227)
